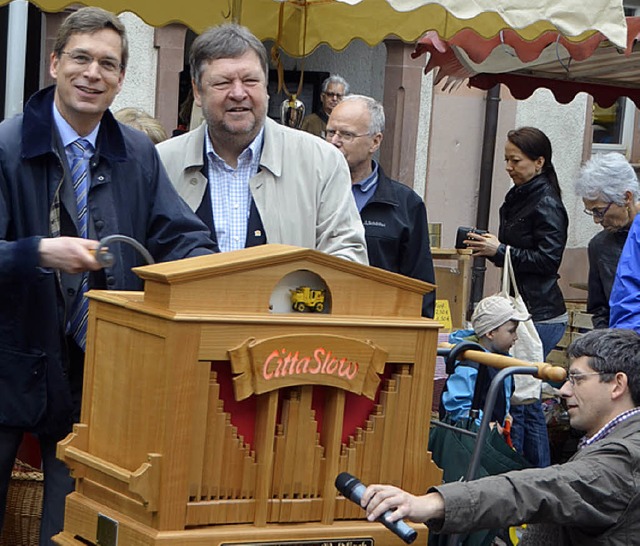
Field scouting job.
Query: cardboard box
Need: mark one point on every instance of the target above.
(558, 357)
(576, 335)
(581, 320)
(565, 339)
(576, 305)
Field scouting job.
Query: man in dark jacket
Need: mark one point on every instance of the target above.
(394, 216)
(70, 175)
(593, 499)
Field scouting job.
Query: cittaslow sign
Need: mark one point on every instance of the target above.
(268, 364)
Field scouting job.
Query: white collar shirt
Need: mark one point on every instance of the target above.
(230, 194)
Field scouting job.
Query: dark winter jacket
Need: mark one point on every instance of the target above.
(604, 253)
(130, 194)
(534, 222)
(397, 234)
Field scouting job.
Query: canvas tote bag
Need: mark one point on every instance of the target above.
(528, 347)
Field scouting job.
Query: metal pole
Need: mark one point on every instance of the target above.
(16, 57)
(484, 190)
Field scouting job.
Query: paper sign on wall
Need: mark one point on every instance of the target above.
(443, 314)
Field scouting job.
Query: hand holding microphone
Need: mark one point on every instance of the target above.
(353, 489)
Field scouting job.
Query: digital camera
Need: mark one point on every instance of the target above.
(461, 235)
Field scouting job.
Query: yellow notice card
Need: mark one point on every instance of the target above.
(443, 314)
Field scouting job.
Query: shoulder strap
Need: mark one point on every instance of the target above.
(508, 275)
(481, 388)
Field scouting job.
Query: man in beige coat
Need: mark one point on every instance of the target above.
(249, 179)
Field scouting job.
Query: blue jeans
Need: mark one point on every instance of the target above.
(529, 433)
(550, 334)
(529, 428)
(57, 483)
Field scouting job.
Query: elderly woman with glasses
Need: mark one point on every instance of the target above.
(609, 189)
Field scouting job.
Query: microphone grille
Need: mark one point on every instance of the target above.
(345, 483)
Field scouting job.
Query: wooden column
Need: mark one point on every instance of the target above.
(170, 43)
(402, 83)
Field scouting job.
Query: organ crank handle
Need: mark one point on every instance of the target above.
(546, 371)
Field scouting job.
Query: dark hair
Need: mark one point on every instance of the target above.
(88, 21)
(228, 41)
(611, 351)
(534, 144)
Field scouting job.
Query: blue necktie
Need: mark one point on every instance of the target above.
(80, 151)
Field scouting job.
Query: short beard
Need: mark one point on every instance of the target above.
(235, 138)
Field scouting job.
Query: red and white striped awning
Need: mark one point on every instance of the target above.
(595, 65)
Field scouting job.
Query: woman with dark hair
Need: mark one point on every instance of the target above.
(533, 223)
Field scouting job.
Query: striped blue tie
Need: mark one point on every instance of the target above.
(81, 151)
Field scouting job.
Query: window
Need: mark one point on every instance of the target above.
(613, 126)
(608, 123)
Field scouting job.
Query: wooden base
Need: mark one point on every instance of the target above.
(82, 517)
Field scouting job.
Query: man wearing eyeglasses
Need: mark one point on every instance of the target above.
(69, 176)
(250, 179)
(394, 216)
(593, 499)
(334, 89)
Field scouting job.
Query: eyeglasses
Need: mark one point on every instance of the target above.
(336, 96)
(576, 378)
(345, 136)
(598, 212)
(107, 65)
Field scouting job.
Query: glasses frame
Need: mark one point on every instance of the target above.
(344, 136)
(597, 213)
(571, 377)
(337, 96)
(76, 57)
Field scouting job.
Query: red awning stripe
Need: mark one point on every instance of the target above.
(522, 87)
(595, 66)
(479, 48)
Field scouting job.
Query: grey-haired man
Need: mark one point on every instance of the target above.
(251, 180)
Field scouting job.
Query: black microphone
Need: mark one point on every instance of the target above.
(353, 489)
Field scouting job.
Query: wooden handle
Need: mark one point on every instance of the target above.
(545, 371)
(145, 481)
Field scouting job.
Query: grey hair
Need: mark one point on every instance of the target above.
(607, 177)
(228, 41)
(376, 112)
(337, 80)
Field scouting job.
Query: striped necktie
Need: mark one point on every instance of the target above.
(80, 151)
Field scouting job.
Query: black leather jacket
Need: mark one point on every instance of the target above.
(533, 222)
(604, 253)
